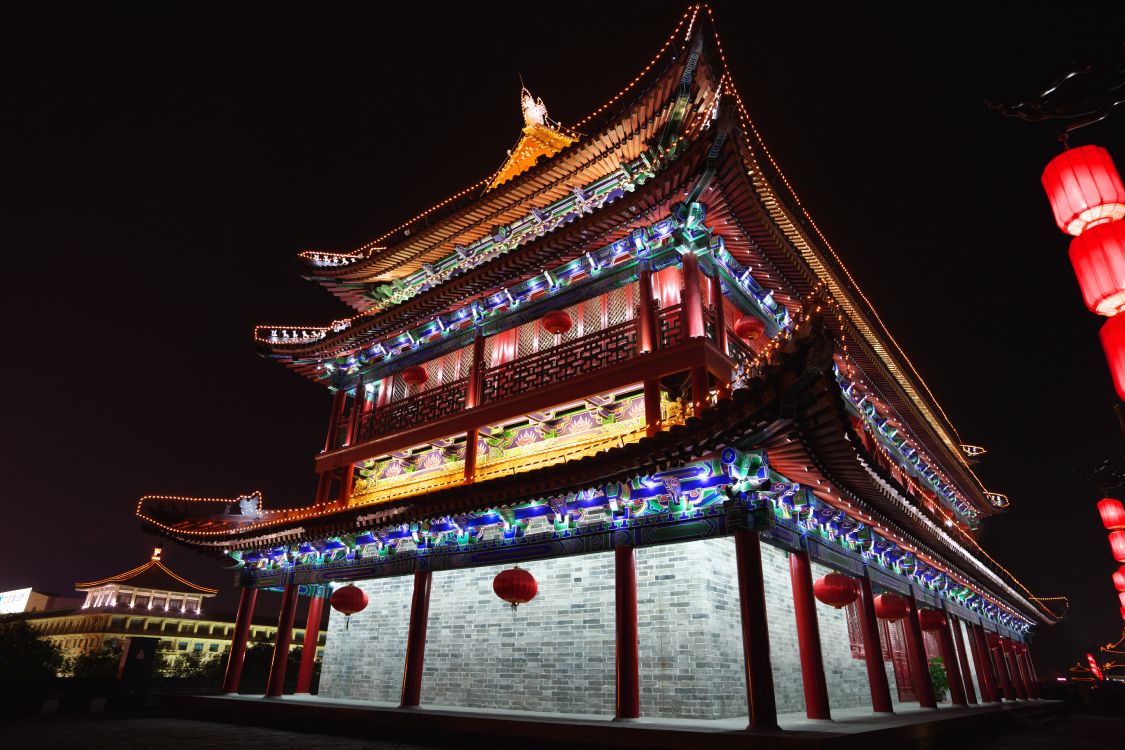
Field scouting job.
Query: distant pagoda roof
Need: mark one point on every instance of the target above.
(154, 575)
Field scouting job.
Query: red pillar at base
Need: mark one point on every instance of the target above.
(963, 659)
(997, 654)
(276, 684)
(653, 415)
(1013, 669)
(628, 655)
(917, 652)
(238, 641)
(647, 337)
(952, 666)
(755, 632)
(1025, 674)
(873, 650)
(308, 648)
(1031, 669)
(720, 311)
(808, 637)
(416, 639)
(693, 298)
(990, 691)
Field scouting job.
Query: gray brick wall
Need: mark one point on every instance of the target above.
(557, 653)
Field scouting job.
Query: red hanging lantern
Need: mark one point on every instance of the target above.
(557, 322)
(931, 620)
(516, 586)
(1098, 257)
(1121, 598)
(891, 607)
(1117, 545)
(1084, 189)
(1113, 343)
(835, 590)
(1123, 613)
(748, 327)
(347, 601)
(415, 375)
(1119, 578)
(1112, 513)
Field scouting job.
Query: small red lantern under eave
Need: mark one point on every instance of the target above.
(1119, 578)
(931, 620)
(891, 607)
(1113, 343)
(557, 322)
(1112, 513)
(835, 590)
(1098, 257)
(1084, 189)
(1123, 613)
(516, 586)
(748, 327)
(347, 601)
(415, 375)
(1117, 545)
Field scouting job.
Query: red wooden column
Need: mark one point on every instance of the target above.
(996, 650)
(359, 402)
(1009, 656)
(238, 640)
(720, 311)
(474, 393)
(338, 401)
(755, 632)
(962, 658)
(873, 650)
(308, 648)
(1031, 669)
(985, 676)
(1025, 673)
(628, 655)
(648, 339)
(952, 666)
(917, 652)
(808, 637)
(276, 684)
(416, 639)
(692, 309)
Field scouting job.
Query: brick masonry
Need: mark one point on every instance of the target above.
(557, 653)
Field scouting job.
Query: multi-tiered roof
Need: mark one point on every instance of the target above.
(871, 439)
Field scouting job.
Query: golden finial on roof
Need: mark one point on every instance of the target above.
(156, 554)
(541, 136)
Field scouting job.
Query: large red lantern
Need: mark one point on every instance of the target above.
(891, 607)
(748, 327)
(516, 586)
(1084, 189)
(1113, 343)
(415, 375)
(1119, 578)
(835, 590)
(557, 322)
(931, 620)
(1098, 257)
(347, 601)
(1117, 545)
(1112, 513)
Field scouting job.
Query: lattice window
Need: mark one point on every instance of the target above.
(933, 648)
(592, 315)
(894, 651)
(620, 304)
(527, 344)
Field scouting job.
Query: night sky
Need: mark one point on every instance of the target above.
(162, 166)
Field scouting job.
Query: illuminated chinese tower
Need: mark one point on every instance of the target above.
(630, 363)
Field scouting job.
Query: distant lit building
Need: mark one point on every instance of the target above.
(148, 601)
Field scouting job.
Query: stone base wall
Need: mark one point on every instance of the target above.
(556, 653)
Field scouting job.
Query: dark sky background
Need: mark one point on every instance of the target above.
(163, 163)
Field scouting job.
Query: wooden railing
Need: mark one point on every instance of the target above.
(426, 406)
(593, 352)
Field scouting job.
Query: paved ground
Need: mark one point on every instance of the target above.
(133, 732)
(163, 733)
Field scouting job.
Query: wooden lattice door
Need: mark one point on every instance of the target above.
(894, 651)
